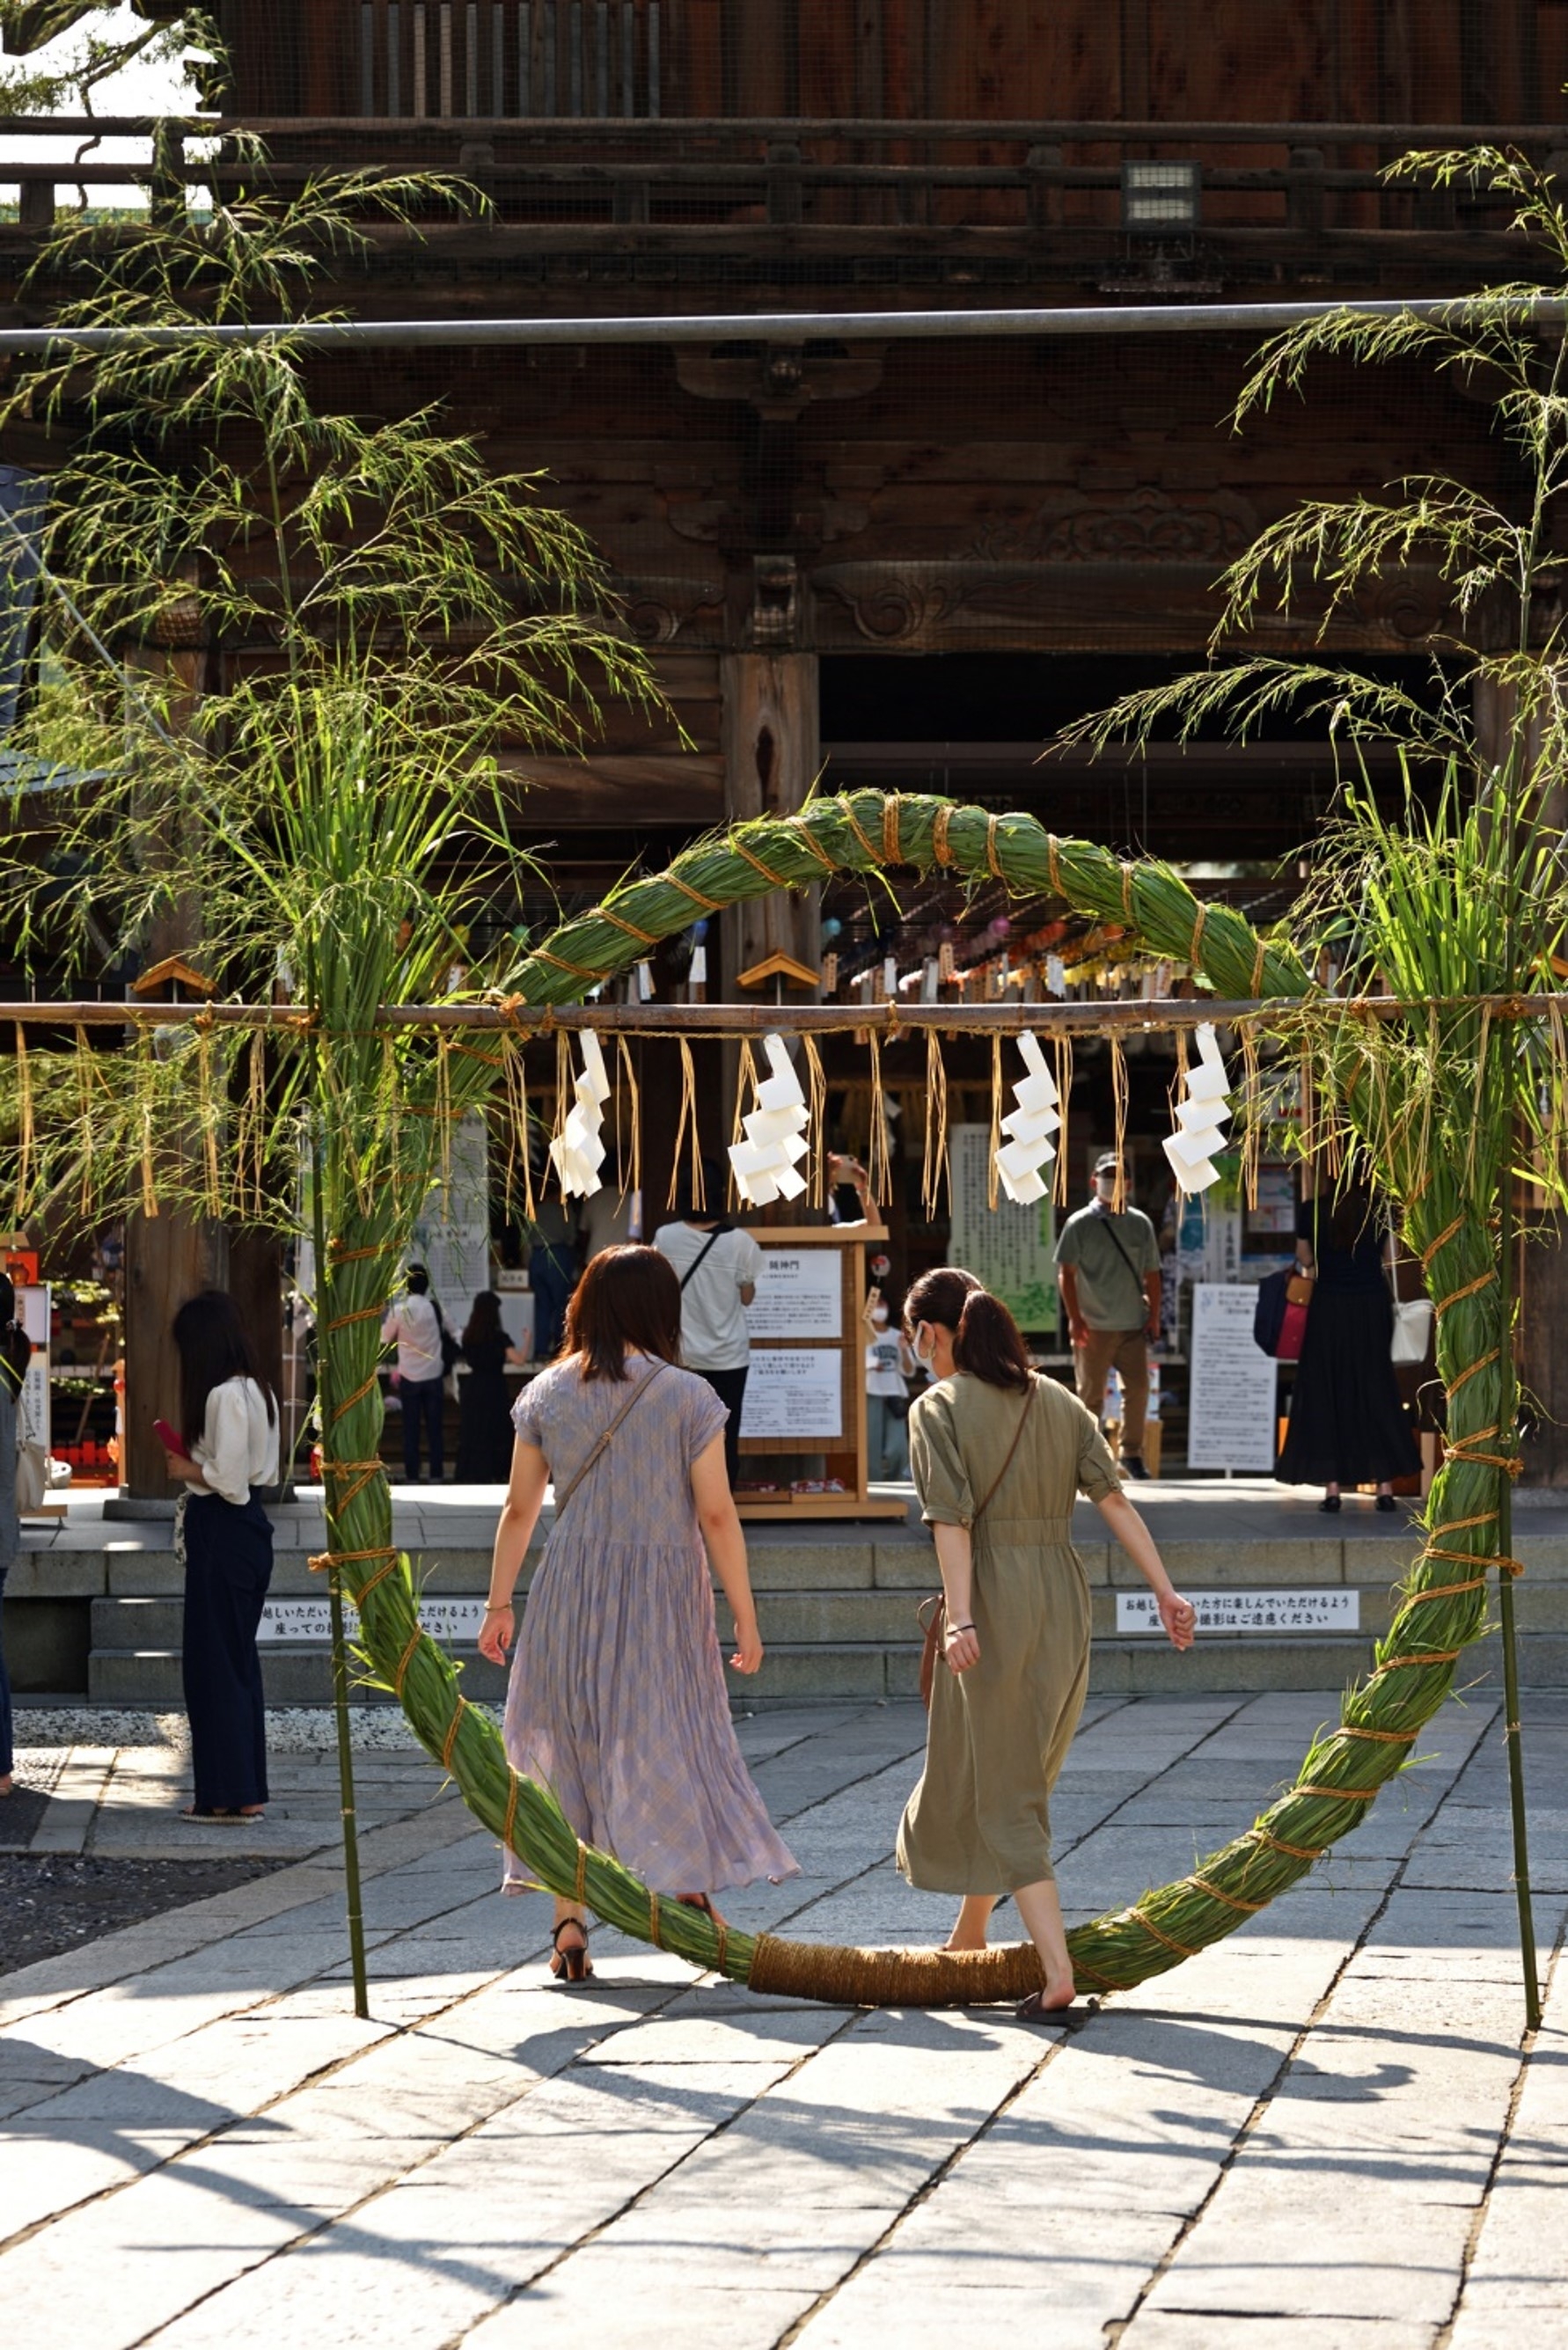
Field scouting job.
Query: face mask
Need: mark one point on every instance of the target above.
(924, 1356)
(1106, 1187)
(878, 1314)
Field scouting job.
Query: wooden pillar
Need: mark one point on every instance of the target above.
(1137, 98)
(771, 745)
(762, 57)
(168, 1258)
(255, 1284)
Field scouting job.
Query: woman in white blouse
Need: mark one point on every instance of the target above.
(225, 1542)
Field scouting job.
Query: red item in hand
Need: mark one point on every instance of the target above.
(169, 1438)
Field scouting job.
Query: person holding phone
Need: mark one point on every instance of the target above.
(889, 1366)
(225, 1447)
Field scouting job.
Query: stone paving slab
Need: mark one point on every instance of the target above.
(1326, 2132)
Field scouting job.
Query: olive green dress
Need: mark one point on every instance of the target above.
(980, 1820)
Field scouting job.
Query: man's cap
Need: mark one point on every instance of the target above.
(1106, 1163)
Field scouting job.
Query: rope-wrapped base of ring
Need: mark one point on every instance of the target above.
(845, 1977)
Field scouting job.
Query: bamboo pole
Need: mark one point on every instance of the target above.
(1153, 1013)
(351, 1890)
(1513, 1735)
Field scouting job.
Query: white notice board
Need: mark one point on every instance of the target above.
(1232, 1413)
(455, 1622)
(800, 1295)
(795, 1394)
(1326, 1608)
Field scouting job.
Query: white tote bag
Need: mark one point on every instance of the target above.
(32, 1462)
(1412, 1330)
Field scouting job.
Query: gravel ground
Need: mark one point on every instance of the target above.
(52, 1903)
(290, 1728)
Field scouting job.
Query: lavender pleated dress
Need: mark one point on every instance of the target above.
(617, 1701)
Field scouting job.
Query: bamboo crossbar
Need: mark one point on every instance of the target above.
(1151, 1013)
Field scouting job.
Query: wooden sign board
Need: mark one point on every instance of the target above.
(806, 1387)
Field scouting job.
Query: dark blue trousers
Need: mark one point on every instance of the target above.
(228, 1565)
(7, 1756)
(424, 1406)
(552, 1277)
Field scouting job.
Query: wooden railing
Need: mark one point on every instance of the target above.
(448, 78)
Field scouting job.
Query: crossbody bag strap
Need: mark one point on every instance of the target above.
(697, 1259)
(633, 1399)
(1017, 1436)
(1115, 1240)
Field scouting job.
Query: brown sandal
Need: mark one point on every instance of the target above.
(571, 1966)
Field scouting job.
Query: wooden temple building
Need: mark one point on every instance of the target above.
(909, 562)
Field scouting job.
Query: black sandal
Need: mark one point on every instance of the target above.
(1034, 2009)
(571, 1966)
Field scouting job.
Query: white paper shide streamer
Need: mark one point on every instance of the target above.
(1031, 1126)
(577, 1152)
(767, 1164)
(1200, 1119)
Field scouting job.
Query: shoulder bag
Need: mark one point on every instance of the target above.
(935, 1624)
(1412, 1332)
(451, 1348)
(32, 1457)
(639, 1390)
(1280, 1319)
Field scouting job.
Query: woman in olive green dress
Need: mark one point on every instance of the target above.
(1016, 1632)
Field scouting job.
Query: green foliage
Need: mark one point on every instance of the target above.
(332, 623)
(66, 81)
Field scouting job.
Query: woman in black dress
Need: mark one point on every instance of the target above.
(485, 1423)
(1347, 1426)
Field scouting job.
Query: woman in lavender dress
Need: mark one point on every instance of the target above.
(616, 1699)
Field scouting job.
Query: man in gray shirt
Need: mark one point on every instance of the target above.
(1109, 1269)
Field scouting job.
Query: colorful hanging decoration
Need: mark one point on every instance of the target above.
(577, 1152)
(1031, 1126)
(1200, 1118)
(766, 1163)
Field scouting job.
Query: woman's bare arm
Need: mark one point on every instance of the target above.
(722, 1532)
(955, 1558)
(1178, 1616)
(519, 1516)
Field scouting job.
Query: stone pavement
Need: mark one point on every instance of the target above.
(1327, 2132)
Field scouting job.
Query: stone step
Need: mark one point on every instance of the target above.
(872, 1671)
(822, 1618)
(838, 1608)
